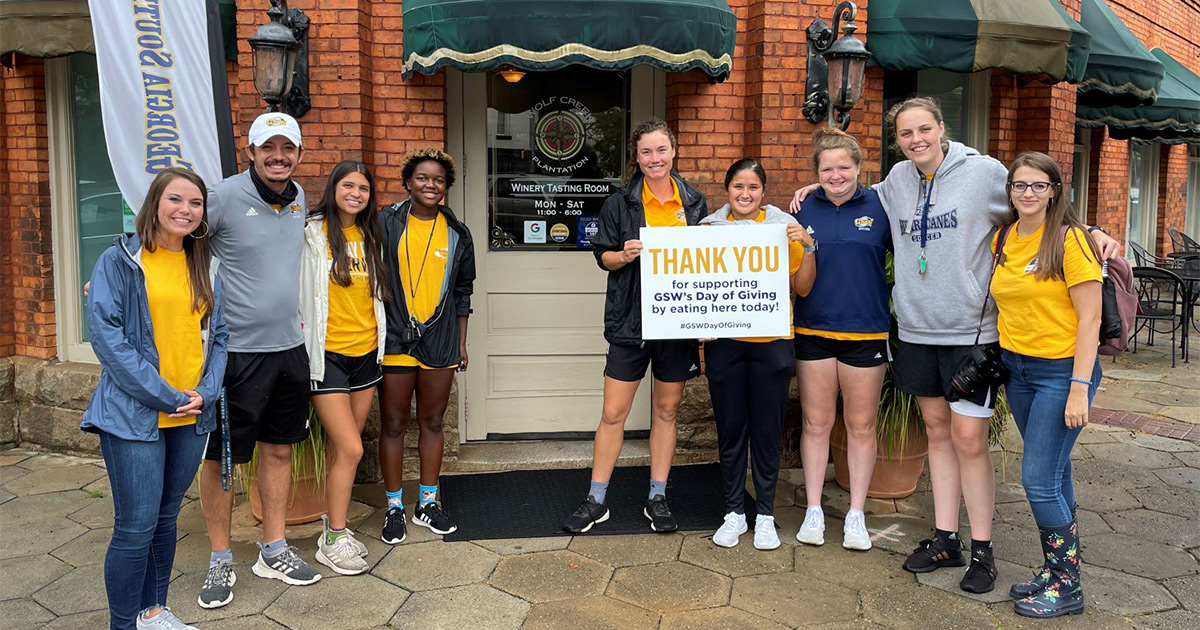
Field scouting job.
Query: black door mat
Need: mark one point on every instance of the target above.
(534, 503)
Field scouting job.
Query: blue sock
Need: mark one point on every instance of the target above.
(394, 499)
(657, 487)
(598, 490)
(428, 494)
(274, 548)
(220, 556)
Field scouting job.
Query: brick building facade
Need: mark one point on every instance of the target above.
(362, 109)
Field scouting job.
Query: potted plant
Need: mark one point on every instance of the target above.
(307, 501)
(900, 434)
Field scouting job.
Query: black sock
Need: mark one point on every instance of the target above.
(946, 535)
(980, 544)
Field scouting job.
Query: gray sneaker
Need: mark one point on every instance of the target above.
(341, 556)
(165, 620)
(286, 567)
(359, 548)
(218, 586)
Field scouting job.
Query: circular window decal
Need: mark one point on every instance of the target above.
(560, 135)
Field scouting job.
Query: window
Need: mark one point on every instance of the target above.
(1142, 213)
(88, 211)
(1080, 171)
(1191, 222)
(965, 100)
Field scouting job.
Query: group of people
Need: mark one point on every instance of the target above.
(996, 284)
(229, 311)
(235, 306)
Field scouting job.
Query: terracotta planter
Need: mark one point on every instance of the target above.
(307, 501)
(894, 477)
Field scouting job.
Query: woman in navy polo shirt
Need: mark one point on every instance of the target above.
(841, 327)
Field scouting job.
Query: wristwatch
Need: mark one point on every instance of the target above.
(810, 249)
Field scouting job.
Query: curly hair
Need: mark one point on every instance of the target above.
(413, 158)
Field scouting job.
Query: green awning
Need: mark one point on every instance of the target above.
(1030, 37)
(53, 28)
(1173, 118)
(1120, 71)
(478, 35)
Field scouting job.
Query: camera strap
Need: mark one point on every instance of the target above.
(1001, 236)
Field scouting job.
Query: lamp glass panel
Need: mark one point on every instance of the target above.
(846, 81)
(270, 78)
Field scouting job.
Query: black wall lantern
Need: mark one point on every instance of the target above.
(281, 60)
(835, 69)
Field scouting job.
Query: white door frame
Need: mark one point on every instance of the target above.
(466, 140)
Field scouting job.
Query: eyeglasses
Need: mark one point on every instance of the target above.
(1039, 188)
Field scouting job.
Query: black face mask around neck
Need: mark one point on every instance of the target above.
(269, 195)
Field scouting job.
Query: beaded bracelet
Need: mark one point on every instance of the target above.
(1080, 380)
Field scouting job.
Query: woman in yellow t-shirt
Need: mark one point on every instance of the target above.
(748, 378)
(343, 287)
(431, 269)
(1047, 287)
(156, 326)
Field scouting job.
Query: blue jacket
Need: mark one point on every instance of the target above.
(850, 294)
(131, 392)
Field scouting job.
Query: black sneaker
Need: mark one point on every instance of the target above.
(935, 553)
(661, 519)
(587, 514)
(432, 515)
(394, 530)
(981, 575)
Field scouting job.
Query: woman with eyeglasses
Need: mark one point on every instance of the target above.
(1047, 287)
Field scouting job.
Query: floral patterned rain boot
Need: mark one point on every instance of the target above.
(1062, 593)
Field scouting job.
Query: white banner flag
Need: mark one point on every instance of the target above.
(156, 90)
(708, 281)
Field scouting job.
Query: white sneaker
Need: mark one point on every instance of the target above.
(812, 532)
(164, 620)
(765, 537)
(341, 556)
(734, 526)
(854, 534)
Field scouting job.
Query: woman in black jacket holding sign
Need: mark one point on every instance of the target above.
(655, 196)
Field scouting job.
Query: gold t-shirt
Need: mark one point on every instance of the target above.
(351, 329)
(423, 254)
(177, 332)
(1037, 317)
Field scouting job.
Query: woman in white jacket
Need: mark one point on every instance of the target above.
(342, 293)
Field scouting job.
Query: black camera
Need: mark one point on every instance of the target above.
(980, 368)
(409, 334)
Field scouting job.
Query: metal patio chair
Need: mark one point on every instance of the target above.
(1162, 297)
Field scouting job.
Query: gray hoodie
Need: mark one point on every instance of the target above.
(968, 202)
(774, 216)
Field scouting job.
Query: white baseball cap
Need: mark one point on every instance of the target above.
(272, 124)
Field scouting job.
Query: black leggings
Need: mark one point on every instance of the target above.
(749, 383)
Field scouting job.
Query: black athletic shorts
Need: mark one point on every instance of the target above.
(268, 401)
(926, 370)
(345, 374)
(670, 360)
(862, 353)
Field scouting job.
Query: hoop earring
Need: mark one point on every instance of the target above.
(205, 235)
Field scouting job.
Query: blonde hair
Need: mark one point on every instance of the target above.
(829, 139)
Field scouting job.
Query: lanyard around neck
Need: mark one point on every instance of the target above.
(922, 261)
(424, 258)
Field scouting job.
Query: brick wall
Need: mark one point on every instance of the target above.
(26, 265)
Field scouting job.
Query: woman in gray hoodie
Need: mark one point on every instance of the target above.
(944, 203)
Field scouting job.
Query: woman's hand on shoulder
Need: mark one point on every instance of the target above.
(1109, 247)
(800, 196)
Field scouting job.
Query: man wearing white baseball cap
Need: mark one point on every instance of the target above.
(256, 226)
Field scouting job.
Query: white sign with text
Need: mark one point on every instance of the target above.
(715, 281)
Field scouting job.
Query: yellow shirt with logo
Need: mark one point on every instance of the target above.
(667, 213)
(795, 256)
(177, 331)
(1037, 317)
(423, 254)
(351, 329)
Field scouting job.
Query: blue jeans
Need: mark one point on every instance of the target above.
(148, 481)
(1037, 391)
